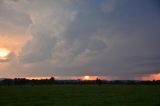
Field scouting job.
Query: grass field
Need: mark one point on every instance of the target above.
(80, 95)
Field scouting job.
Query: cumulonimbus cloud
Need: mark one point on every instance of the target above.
(71, 37)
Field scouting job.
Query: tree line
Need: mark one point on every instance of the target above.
(52, 81)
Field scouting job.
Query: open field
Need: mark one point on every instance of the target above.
(80, 95)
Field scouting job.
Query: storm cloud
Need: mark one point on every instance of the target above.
(86, 37)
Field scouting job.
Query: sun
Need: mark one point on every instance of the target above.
(86, 77)
(4, 52)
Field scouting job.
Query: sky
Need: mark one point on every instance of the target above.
(109, 39)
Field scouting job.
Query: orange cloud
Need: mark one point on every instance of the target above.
(149, 77)
(13, 44)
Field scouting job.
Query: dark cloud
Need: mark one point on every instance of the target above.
(13, 19)
(96, 39)
(37, 52)
(107, 38)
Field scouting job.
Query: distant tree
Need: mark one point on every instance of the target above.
(52, 78)
(20, 81)
(98, 81)
(79, 81)
(7, 82)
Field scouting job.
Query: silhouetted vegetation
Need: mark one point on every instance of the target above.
(24, 81)
(51, 81)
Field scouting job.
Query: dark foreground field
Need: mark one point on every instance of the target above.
(80, 95)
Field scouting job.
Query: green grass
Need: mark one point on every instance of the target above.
(80, 95)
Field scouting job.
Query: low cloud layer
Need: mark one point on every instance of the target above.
(76, 38)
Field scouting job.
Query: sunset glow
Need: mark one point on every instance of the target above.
(150, 77)
(86, 77)
(4, 52)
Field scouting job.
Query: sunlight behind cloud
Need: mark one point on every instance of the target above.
(4, 52)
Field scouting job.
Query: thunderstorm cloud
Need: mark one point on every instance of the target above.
(81, 37)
